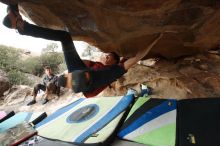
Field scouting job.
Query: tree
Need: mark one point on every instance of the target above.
(50, 56)
(10, 62)
(52, 47)
(32, 65)
(10, 58)
(89, 51)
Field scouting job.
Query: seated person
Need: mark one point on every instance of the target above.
(81, 76)
(49, 85)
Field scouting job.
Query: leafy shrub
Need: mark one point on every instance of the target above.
(49, 57)
(18, 78)
(10, 58)
(12, 63)
(32, 65)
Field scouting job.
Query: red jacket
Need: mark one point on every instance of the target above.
(95, 66)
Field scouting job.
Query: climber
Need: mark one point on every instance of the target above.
(81, 76)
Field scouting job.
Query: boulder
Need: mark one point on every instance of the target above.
(4, 83)
(126, 26)
(17, 94)
(189, 77)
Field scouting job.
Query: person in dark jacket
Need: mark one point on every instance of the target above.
(49, 82)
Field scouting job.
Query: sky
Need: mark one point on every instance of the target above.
(11, 37)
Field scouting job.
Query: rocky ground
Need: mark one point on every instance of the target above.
(187, 77)
(17, 100)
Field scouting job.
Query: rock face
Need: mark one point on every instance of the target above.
(17, 94)
(4, 83)
(125, 26)
(190, 77)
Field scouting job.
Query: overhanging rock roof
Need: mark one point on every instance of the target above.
(125, 26)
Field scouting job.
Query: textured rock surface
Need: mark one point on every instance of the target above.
(125, 26)
(17, 94)
(4, 83)
(191, 77)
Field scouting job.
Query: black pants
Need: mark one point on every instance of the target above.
(105, 76)
(72, 58)
(100, 77)
(38, 87)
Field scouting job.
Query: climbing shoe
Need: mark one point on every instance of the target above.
(44, 101)
(31, 102)
(13, 9)
(145, 90)
(132, 91)
(12, 17)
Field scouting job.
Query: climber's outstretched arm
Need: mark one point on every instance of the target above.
(131, 61)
